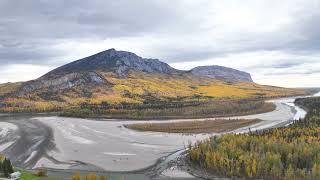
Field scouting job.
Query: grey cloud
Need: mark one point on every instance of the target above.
(75, 19)
(30, 31)
(287, 64)
(306, 72)
(281, 63)
(36, 24)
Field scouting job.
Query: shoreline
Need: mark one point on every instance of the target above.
(101, 118)
(161, 118)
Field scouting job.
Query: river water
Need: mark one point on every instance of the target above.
(71, 144)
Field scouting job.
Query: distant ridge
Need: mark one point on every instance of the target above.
(222, 73)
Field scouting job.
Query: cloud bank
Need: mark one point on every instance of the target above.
(277, 42)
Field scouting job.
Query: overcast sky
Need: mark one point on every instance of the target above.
(278, 42)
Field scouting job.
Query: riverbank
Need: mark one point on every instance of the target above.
(203, 109)
(228, 108)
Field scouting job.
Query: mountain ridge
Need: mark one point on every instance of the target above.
(87, 71)
(221, 72)
(122, 61)
(112, 59)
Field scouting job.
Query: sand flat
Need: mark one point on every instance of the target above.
(88, 141)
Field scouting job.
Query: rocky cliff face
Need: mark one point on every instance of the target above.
(66, 81)
(222, 73)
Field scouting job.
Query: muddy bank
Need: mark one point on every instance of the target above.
(109, 145)
(30, 141)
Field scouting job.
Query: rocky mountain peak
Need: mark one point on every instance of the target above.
(116, 61)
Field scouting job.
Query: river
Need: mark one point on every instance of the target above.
(65, 145)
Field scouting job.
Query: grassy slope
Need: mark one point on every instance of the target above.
(168, 86)
(137, 89)
(207, 126)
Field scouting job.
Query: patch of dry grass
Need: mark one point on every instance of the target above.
(206, 126)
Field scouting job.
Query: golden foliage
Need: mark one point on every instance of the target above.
(181, 86)
(90, 176)
(77, 176)
(136, 88)
(27, 105)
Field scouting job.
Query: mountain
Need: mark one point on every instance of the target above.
(117, 77)
(87, 71)
(117, 61)
(223, 73)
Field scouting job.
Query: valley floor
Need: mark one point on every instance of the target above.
(80, 144)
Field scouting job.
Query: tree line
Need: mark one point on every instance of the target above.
(5, 166)
(169, 110)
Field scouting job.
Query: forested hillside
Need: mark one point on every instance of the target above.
(143, 95)
(285, 153)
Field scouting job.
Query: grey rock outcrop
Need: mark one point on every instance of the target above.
(62, 82)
